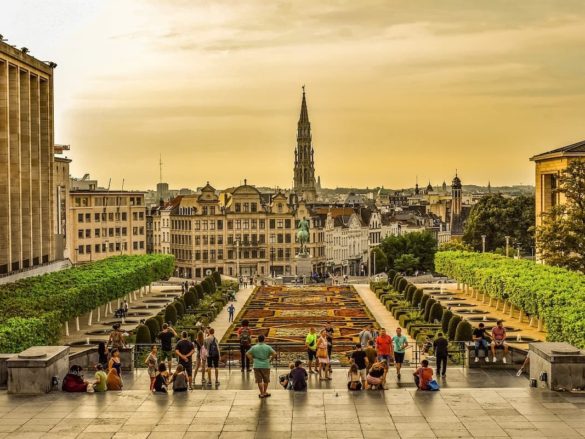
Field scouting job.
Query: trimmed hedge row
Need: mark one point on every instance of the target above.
(554, 294)
(34, 308)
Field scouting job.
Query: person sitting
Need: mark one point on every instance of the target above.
(179, 379)
(73, 381)
(480, 342)
(101, 380)
(299, 377)
(114, 381)
(423, 375)
(161, 379)
(376, 376)
(285, 380)
(353, 378)
(499, 341)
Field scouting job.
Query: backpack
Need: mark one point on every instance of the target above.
(213, 349)
(245, 338)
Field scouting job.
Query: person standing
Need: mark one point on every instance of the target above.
(201, 359)
(441, 347)
(261, 354)
(329, 330)
(166, 344)
(231, 310)
(311, 345)
(213, 353)
(361, 361)
(184, 351)
(323, 356)
(365, 336)
(400, 344)
(245, 336)
(116, 339)
(152, 363)
(384, 346)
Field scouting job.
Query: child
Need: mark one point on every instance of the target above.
(160, 381)
(353, 378)
(179, 379)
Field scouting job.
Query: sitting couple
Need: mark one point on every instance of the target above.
(296, 379)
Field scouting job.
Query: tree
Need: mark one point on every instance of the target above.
(420, 246)
(497, 217)
(454, 245)
(561, 237)
(406, 263)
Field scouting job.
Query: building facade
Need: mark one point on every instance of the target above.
(104, 223)
(61, 188)
(26, 160)
(548, 169)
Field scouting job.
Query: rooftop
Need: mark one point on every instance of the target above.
(573, 150)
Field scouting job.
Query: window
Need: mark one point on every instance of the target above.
(273, 224)
(254, 224)
(96, 233)
(134, 216)
(124, 231)
(238, 224)
(261, 224)
(79, 217)
(80, 249)
(246, 207)
(124, 216)
(238, 207)
(111, 231)
(230, 254)
(88, 233)
(211, 225)
(219, 240)
(280, 239)
(279, 207)
(287, 223)
(197, 225)
(246, 224)
(141, 245)
(80, 233)
(96, 217)
(77, 202)
(97, 248)
(88, 249)
(287, 238)
(219, 224)
(204, 212)
(111, 216)
(279, 224)
(254, 207)
(261, 239)
(220, 254)
(135, 244)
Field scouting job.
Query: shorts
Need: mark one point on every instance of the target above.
(399, 357)
(262, 375)
(188, 367)
(166, 355)
(500, 345)
(312, 354)
(362, 373)
(213, 362)
(384, 357)
(374, 381)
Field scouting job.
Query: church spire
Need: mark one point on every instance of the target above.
(304, 117)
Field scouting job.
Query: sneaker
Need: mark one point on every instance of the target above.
(504, 360)
(477, 359)
(217, 384)
(444, 376)
(209, 384)
(494, 360)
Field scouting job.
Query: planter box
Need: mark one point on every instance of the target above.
(32, 371)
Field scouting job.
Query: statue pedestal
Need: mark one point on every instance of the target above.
(303, 264)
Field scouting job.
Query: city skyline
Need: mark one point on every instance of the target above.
(215, 88)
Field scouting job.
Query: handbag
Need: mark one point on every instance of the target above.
(433, 385)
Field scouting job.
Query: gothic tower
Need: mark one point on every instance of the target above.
(456, 195)
(304, 170)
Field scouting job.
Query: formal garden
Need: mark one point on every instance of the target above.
(34, 309)
(549, 297)
(284, 315)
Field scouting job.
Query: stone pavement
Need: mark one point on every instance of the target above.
(334, 413)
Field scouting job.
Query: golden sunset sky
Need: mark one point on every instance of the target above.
(395, 89)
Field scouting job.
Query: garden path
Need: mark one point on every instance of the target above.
(221, 324)
(381, 314)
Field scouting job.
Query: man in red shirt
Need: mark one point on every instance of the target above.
(384, 346)
(499, 340)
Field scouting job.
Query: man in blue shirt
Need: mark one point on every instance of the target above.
(231, 310)
(400, 344)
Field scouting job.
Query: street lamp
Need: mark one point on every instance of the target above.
(507, 246)
(483, 243)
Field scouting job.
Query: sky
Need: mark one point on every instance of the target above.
(396, 89)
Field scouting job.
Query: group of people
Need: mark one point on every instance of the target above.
(498, 341)
(203, 352)
(108, 373)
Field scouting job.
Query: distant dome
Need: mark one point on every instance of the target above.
(456, 182)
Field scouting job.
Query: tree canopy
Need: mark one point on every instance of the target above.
(411, 251)
(497, 217)
(561, 237)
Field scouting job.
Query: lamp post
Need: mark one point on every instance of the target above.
(507, 246)
(483, 243)
(238, 258)
(272, 241)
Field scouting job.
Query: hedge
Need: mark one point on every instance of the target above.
(143, 335)
(554, 294)
(445, 319)
(171, 313)
(427, 310)
(33, 309)
(417, 297)
(436, 312)
(464, 331)
(455, 320)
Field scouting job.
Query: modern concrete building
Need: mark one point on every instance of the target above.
(105, 223)
(27, 232)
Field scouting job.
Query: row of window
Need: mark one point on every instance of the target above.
(110, 216)
(111, 247)
(212, 255)
(108, 232)
(107, 201)
(239, 224)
